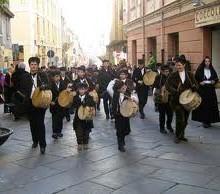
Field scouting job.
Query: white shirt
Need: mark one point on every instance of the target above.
(182, 76)
(207, 73)
(34, 78)
(82, 80)
(124, 80)
(142, 71)
(63, 77)
(82, 98)
(121, 98)
(58, 85)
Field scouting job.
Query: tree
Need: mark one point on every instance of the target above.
(2, 2)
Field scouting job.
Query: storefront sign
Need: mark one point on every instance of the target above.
(207, 16)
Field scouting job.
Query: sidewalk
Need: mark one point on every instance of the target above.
(152, 164)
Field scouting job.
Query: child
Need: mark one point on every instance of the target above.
(56, 110)
(122, 124)
(82, 127)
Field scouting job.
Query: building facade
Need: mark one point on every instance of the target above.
(117, 48)
(5, 36)
(36, 29)
(172, 27)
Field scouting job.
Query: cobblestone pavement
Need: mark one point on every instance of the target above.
(152, 164)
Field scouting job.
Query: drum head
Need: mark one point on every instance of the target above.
(41, 98)
(65, 98)
(128, 108)
(217, 85)
(86, 113)
(186, 97)
(94, 95)
(149, 78)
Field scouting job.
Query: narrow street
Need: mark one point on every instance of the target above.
(152, 163)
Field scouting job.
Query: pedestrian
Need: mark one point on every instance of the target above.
(161, 98)
(122, 124)
(208, 111)
(56, 110)
(82, 127)
(177, 83)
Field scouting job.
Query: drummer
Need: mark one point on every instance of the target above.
(177, 83)
(66, 79)
(163, 107)
(56, 110)
(82, 127)
(36, 79)
(122, 124)
(141, 88)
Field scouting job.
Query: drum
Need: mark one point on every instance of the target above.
(65, 98)
(161, 96)
(86, 113)
(149, 78)
(41, 98)
(94, 95)
(190, 100)
(128, 108)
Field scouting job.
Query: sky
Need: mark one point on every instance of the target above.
(91, 21)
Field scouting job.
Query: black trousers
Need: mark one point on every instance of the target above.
(57, 122)
(107, 102)
(143, 97)
(82, 135)
(165, 111)
(181, 121)
(36, 119)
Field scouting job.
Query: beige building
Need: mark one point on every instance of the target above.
(116, 50)
(172, 27)
(5, 36)
(36, 29)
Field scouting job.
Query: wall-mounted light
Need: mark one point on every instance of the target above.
(197, 3)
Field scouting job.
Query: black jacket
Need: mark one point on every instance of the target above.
(104, 78)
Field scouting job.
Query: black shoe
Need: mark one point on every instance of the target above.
(98, 108)
(107, 117)
(142, 116)
(206, 125)
(55, 136)
(112, 117)
(42, 150)
(170, 129)
(34, 145)
(163, 131)
(177, 140)
(184, 139)
(121, 148)
(60, 135)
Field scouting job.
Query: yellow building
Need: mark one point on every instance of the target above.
(5, 36)
(116, 50)
(36, 29)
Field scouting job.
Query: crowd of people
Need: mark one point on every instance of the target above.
(113, 84)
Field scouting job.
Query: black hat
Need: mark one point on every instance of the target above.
(105, 60)
(55, 73)
(181, 60)
(140, 62)
(165, 67)
(123, 71)
(82, 85)
(82, 68)
(62, 68)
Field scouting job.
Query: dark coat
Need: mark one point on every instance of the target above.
(208, 111)
(77, 122)
(175, 87)
(104, 78)
(57, 109)
(137, 76)
(122, 124)
(88, 81)
(160, 81)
